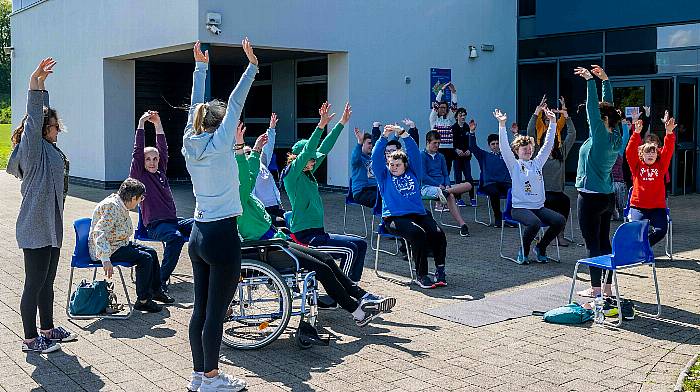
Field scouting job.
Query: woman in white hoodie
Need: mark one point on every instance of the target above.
(528, 192)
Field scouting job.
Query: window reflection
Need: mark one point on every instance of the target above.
(678, 36)
(678, 61)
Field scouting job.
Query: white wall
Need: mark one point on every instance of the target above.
(380, 43)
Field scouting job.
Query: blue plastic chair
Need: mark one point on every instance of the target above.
(630, 248)
(478, 193)
(508, 218)
(381, 232)
(668, 247)
(349, 200)
(81, 259)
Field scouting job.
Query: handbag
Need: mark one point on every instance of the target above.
(572, 313)
(90, 298)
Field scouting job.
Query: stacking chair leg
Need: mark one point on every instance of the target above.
(658, 297)
(556, 244)
(571, 223)
(573, 282)
(488, 212)
(108, 316)
(442, 214)
(386, 277)
(500, 247)
(376, 246)
(619, 299)
(364, 220)
(668, 249)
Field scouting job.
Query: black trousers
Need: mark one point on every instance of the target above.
(559, 202)
(463, 173)
(147, 268)
(277, 215)
(449, 154)
(215, 251)
(367, 196)
(39, 274)
(334, 281)
(422, 233)
(495, 191)
(594, 213)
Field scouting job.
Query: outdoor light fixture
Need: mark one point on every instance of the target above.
(213, 22)
(9, 50)
(472, 52)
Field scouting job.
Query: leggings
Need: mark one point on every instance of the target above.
(422, 232)
(39, 274)
(558, 202)
(533, 220)
(594, 213)
(215, 251)
(334, 281)
(658, 222)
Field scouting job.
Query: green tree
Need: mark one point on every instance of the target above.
(5, 10)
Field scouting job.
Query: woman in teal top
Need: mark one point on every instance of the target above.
(306, 222)
(596, 158)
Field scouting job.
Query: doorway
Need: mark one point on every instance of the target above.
(685, 165)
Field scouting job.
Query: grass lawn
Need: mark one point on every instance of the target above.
(692, 382)
(5, 145)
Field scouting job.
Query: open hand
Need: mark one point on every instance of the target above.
(501, 117)
(599, 72)
(409, 123)
(550, 115)
(260, 142)
(44, 69)
(347, 112)
(240, 133)
(359, 135)
(542, 105)
(248, 49)
(583, 72)
(324, 115)
(198, 55)
(670, 124)
(514, 128)
(388, 130)
(273, 120)
(472, 125)
(638, 125)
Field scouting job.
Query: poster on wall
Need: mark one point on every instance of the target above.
(438, 78)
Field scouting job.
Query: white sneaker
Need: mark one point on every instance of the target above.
(222, 382)
(195, 381)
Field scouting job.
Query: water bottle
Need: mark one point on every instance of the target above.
(598, 314)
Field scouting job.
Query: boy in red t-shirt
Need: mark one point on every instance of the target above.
(649, 165)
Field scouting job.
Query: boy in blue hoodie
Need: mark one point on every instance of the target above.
(435, 182)
(495, 179)
(364, 185)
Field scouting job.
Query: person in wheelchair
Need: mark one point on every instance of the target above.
(255, 224)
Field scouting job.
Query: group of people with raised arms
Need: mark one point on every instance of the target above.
(237, 199)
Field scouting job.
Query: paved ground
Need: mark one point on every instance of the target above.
(405, 351)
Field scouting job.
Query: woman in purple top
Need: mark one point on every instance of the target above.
(149, 165)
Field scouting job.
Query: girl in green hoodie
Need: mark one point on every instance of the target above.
(306, 221)
(596, 158)
(256, 224)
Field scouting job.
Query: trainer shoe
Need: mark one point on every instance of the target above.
(41, 345)
(464, 230)
(521, 259)
(461, 203)
(425, 282)
(628, 311)
(379, 305)
(148, 306)
(163, 297)
(541, 256)
(440, 277)
(195, 381)
(610, 310)
(222, 382)
(60, 334)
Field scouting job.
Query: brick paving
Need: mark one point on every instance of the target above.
(405, 351)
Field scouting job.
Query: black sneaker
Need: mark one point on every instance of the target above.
(440, 277)
(163, 297)
(60, 334)
(41, 345)
(498, 225)
(425, 282)
(464, 230)
(148, 306)
(628, 311)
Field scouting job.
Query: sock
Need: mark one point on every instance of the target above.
(358, 314)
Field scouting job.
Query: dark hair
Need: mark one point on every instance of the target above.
(556, 150)
(208, 116)
(131, 188)
(608, 110)
(492, 137)
(49, 113)
(399, 154)
(461, 110)
(432, 135)
(366, 136)
(443, 103)
(394, 143)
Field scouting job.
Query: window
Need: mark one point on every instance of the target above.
(526, 7)
(678, 61)
(309, 68)
(310, 96)
(568, 45)
(631, 64)
(534, 80)
(259, 102)
(678, 36)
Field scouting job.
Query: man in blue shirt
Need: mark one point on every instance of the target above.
(362, 181)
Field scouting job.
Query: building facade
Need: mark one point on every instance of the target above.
(119, 58)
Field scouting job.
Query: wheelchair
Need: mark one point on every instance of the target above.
(268, 295)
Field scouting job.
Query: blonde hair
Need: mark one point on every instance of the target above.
(208, 116)
(521, 141)
(647, 147)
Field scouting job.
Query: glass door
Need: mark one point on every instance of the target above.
(631, 95)
(685, 160)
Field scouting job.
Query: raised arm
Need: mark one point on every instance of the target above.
(548, 144)
(269, 148)
(506, 152)
(379, 167)
(224, 136)
(330, 139)
(245, 179)
(309, 151)
(454, 105)
(595, 122)
(535, 118)
(199, 78)
(414, 160)
(356, 155)
(625, 137)
(669, 144)
(137, 157)
(570, 136)
(632, 150)
(36, 97)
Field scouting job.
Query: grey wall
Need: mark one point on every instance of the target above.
(557, 16)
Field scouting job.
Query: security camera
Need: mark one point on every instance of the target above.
(8, 50)
(213, 29)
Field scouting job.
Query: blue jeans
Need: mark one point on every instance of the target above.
(173, 233)
(352, 268)
(658, 225)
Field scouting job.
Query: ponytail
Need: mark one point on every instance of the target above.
(17, 133)
(199, 113)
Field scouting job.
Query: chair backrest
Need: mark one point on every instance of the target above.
(81, 253)
(377, 209)
(630, 244)
(141, 233)
(626, 210)
(507, 213)
(288, 218)
(348, 198)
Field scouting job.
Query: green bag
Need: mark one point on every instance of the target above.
(572, 313)
(90, 299)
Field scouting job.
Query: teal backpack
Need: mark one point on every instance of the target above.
(572, 313)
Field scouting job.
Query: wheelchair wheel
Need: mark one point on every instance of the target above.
(260, 309)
